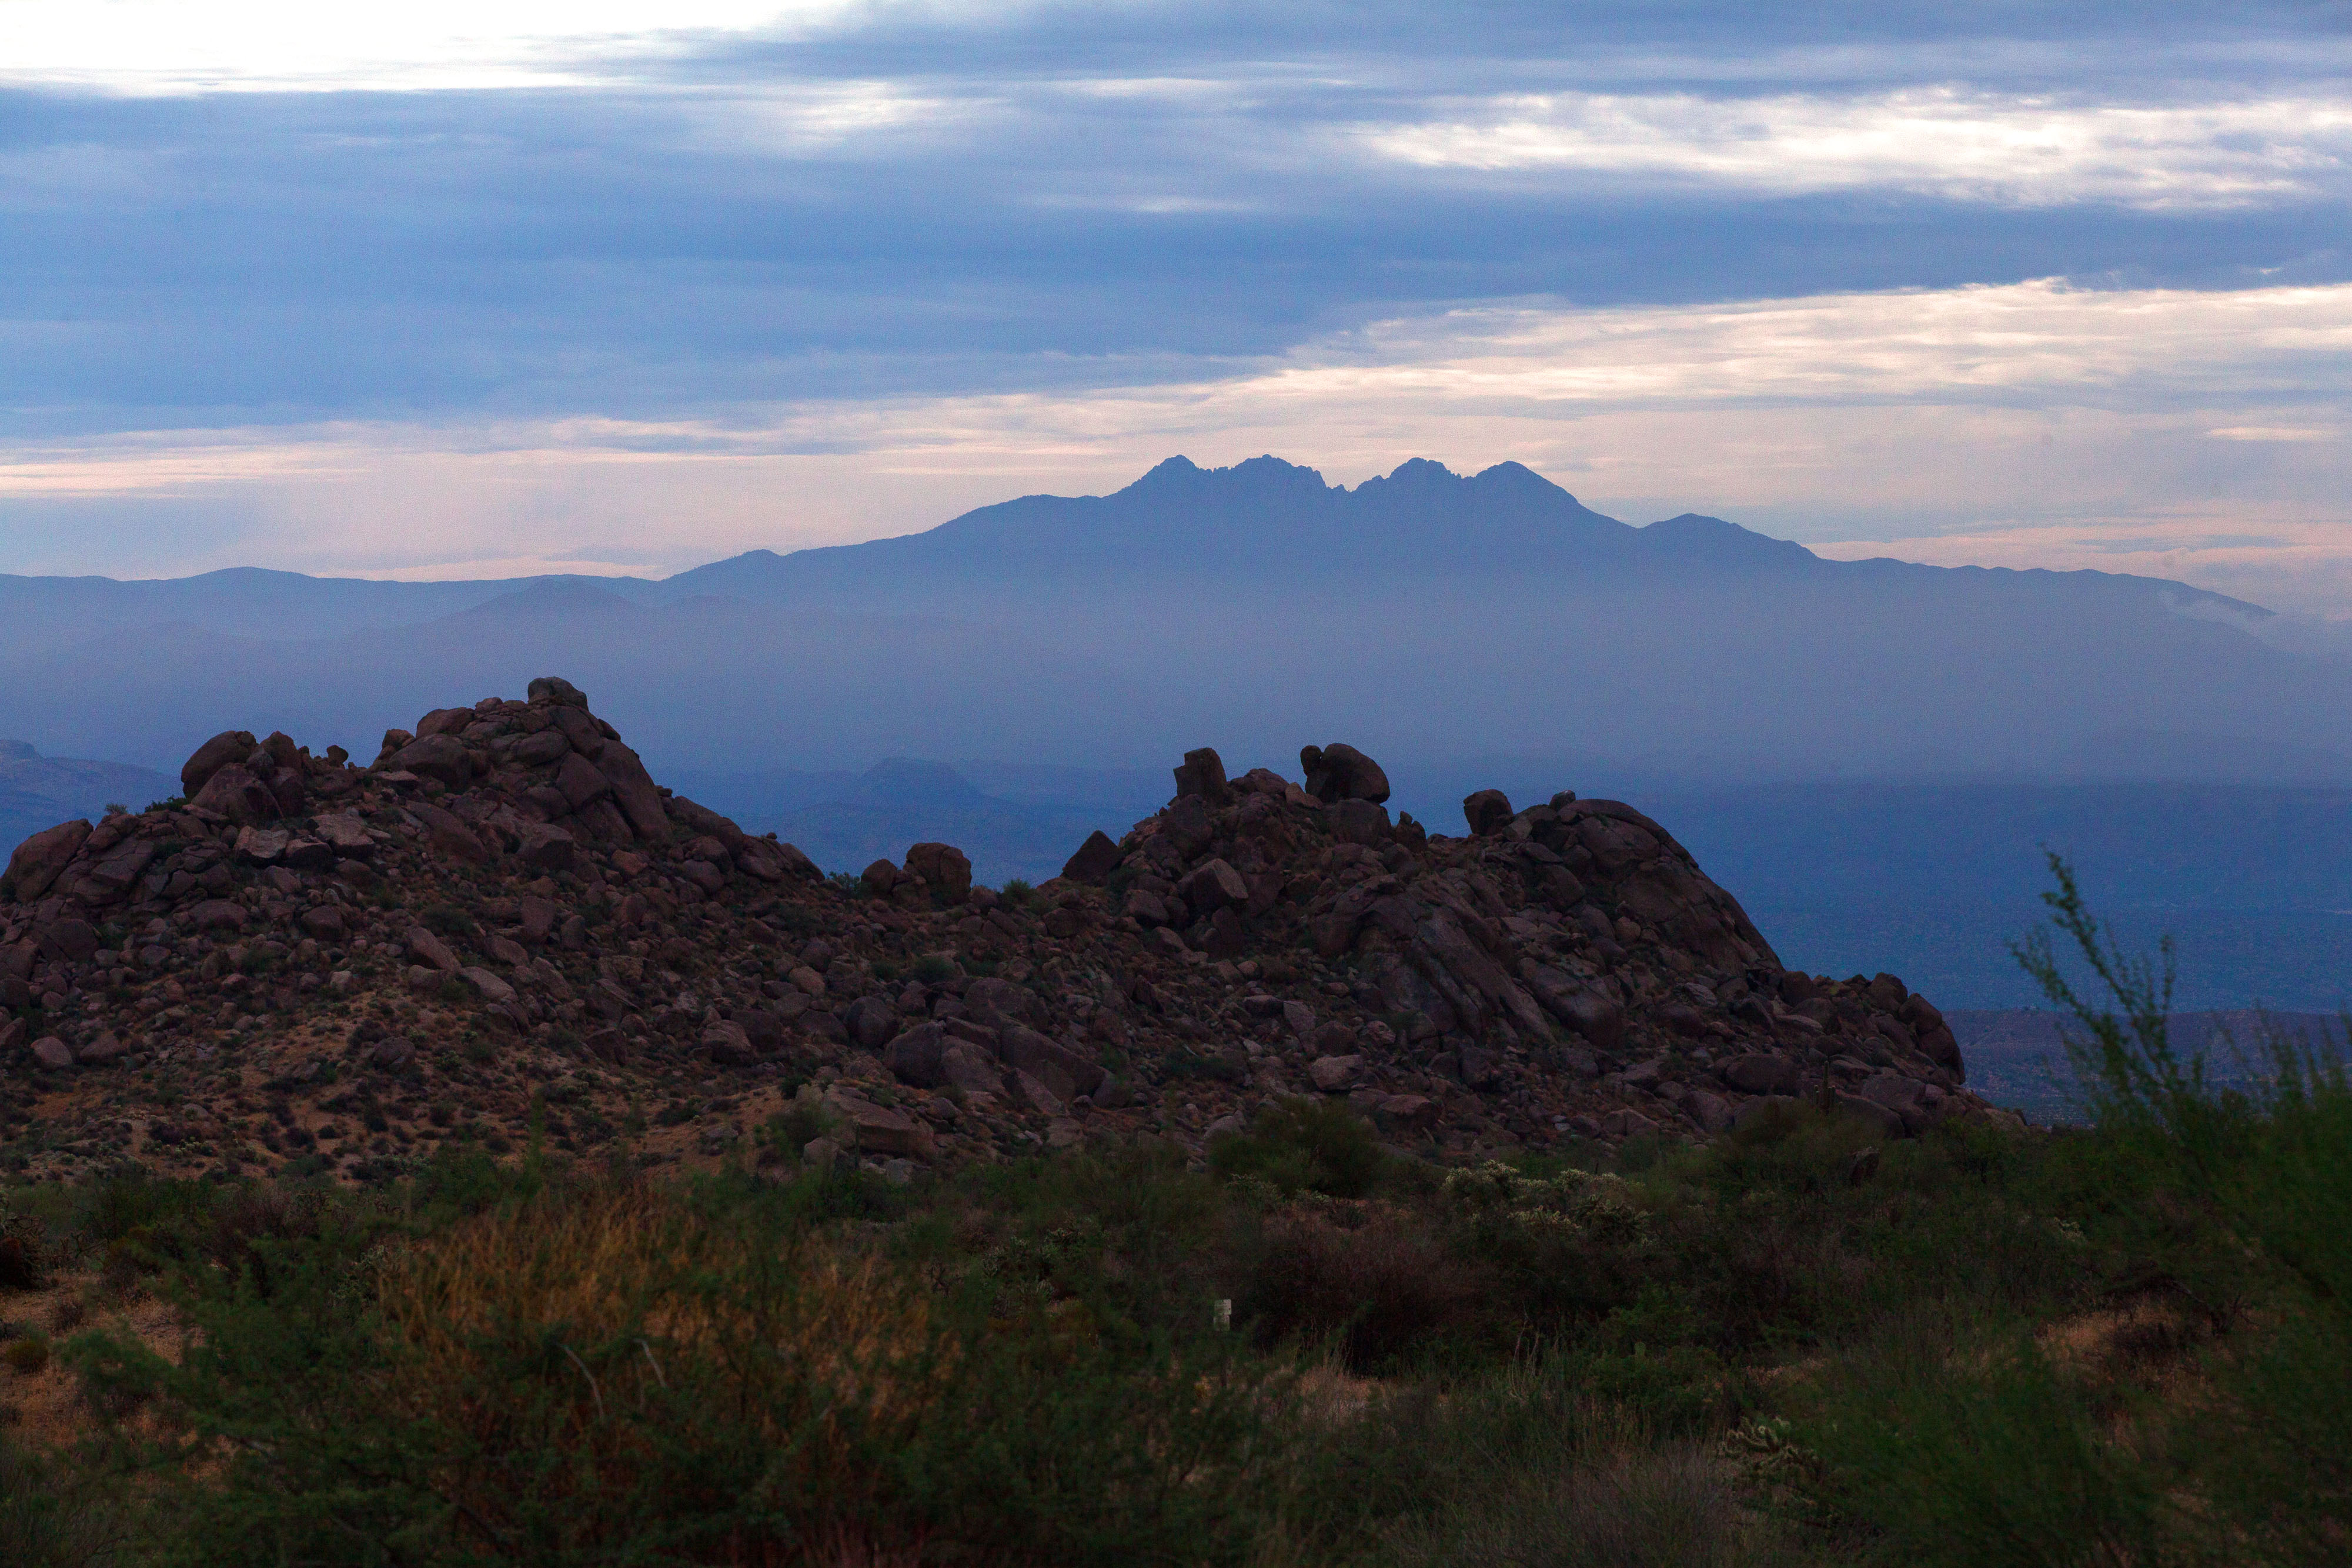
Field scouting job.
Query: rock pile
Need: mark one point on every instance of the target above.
(503, 928)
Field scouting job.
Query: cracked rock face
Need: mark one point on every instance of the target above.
(503, 929)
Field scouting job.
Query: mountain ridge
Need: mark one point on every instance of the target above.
(1525, 521)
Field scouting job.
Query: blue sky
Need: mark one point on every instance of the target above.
(487, 288)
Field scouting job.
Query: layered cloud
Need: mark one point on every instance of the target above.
(2035, 149)
(606, 287)
(2196, 433)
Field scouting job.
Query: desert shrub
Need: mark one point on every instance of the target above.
(28, 1353)
(130, 1200)
(1979, 1459)
(50, 1518)
(616, 1377)
(2273, 1165)
(932, 969)
(799, 1124)
(1635, 1506)
(1298, 1144)
(1373, 1291)
(1018, 893)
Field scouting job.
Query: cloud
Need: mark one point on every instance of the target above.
(609, 286)
(2009, 148)
(169, 46)
(1925, 424)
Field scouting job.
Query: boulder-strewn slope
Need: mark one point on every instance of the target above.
(503, 928)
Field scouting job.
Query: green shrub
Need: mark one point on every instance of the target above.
(1972, 1459)
(1298, 1145)
(51, 1517)
(622, 1378)
(932, 969)
(799, 1124)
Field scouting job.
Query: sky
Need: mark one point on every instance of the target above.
(444, 290)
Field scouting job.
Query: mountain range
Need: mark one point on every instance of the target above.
(1432, 614)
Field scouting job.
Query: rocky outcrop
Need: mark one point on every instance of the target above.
(505, 918)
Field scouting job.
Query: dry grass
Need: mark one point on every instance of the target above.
(45, 1409)
(573, 1339)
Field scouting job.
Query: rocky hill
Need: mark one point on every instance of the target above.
(503, 929)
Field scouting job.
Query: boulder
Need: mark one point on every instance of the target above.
(1063, 1071)
(880, 877)
(1335, 1075)
(992, 1000)
(1034, 1093)
(879, 1130)
(68, 941)
(234, 793)
(217, 914)
(1762, 1072)
(1095, 860)
(493, 989)
(918, 1055)
(1713, 1112)
(324, 921)
(634, 790)
(947, 869)
(556, 691)
(1488, 812)
(967, 1067)
(390, 1053)
(40, 859)
(544, 846)
(728, 1044)
(108, 1048)
(537, 750)
(1362, 822)
(439, 757)
(871, 1022)
(1886, 1121)
(1337, 772)
(428, 949)
(263, 846)
(52, 1053)
(449, 833)
(1204, 774)
(1600, 1020)
(580, 782)
(229, 746)
(1626, 1122)
(1212, 888)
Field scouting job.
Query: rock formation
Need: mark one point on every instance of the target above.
(504, 928)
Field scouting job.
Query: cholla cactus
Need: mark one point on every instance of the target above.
(1595, 1208)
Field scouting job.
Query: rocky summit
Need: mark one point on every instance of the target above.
(503, 930)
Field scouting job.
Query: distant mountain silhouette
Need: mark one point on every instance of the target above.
(1270, 523)
(1428, 614)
